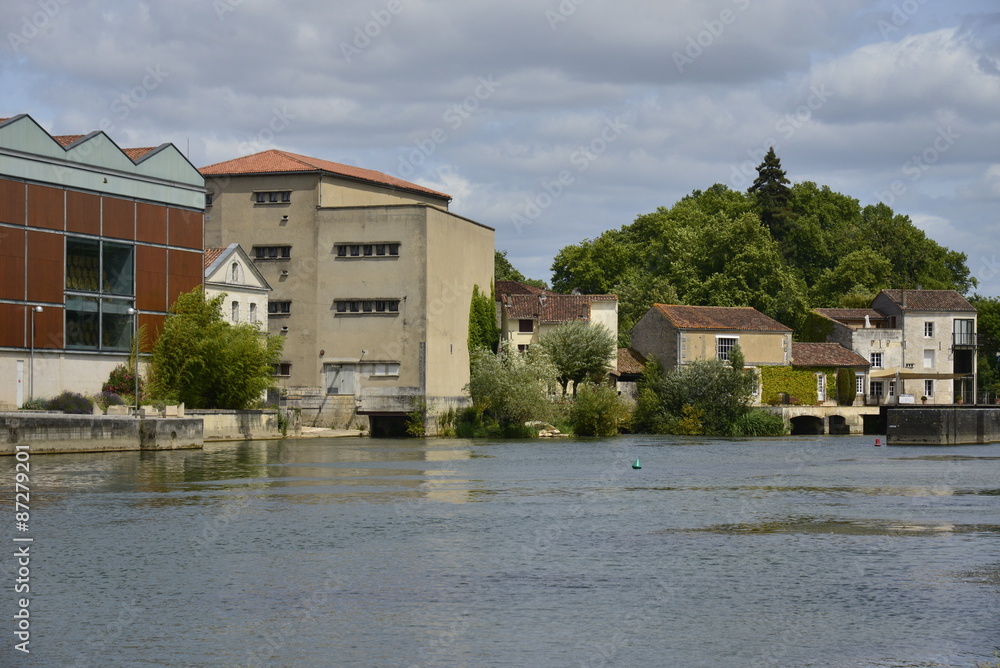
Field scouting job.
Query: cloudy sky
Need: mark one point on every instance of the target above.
(550, 120)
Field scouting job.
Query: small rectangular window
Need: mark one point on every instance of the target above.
(368, 249)
(929, 329)
(875, 388)
(876, 360)
(355, 250)
(380, 249)
(279, 308)
(341, 251)
(928, 388)
(355, 307)
(261, 198)
(341, 306)
(286, 196)
(367, 306)
(283, 369)
(525, 326)
(522, 347)
(928, 359)
(393, 249)
(723, 345)
(393, 305)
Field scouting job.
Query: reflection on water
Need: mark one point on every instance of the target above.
(357, 552)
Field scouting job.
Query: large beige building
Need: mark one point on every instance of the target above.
(372, 282)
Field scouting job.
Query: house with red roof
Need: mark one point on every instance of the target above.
(921, 345)
(525, 312)
(230, 271)
(95, 239)
(372, 279)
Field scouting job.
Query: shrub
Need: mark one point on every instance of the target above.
(756, 422)
(35, 404)
(105, 399)
(121, 381)
(71, 402)
(511, 387)
(597, 411)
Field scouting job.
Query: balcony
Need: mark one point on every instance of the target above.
(964, 340)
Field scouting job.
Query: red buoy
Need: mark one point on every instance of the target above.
(878, 442)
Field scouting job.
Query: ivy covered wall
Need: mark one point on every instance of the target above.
(798, 382)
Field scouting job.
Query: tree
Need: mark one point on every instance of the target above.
(503, 270)
(579, 352)
(483, 330)
(597, 411)
(773, 195)
(988, 322)
(510, 386)
(205, 362)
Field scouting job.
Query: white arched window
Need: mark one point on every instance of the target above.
(236, 311)
(236, 273)
(253, 312)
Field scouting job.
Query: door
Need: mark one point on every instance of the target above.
(821, 387)
(340, 378)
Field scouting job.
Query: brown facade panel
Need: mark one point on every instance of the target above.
(46, 207)
(154, 325)
(11, 202)
(151, 223)
(12, 325)
(48, 327)
(83, 213)
(45, 267)
(11, 263)
(151, 278)
(118, 218)
(187, 228)
(186, 271)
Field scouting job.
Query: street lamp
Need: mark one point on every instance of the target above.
(31, 363)
(134, 312)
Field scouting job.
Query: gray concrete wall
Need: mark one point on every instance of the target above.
(943, 425)
(228, 425)
(58, 433)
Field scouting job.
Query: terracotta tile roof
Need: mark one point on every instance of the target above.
(515, 288)
(845, 314)
(548, 307)
(212, 254)
(274, 161)
(930, 300)
(720, 317)
(630, 361)
(825, 354)
(135, 153)
(66, 140)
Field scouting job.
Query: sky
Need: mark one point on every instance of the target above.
(548, 120)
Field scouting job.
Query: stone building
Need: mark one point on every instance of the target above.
(372, 281)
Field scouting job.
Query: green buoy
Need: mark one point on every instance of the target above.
(636, 464)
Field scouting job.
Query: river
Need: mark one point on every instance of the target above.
(803, 551)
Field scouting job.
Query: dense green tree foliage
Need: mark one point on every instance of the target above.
(205, 362)
(503, 270)
(773, 195)
(988, 321)
(579, 352)
(708, 397)
(711, 248)
(597, 410)
(511, 387)
(483, 330)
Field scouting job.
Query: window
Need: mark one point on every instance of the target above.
(928, 359)
(104, 270)
(380, 369)
(523, 347)
(859, 383)
(236, 273)
(279, 308)
(236, 311)
(875, 388)
(723, 345)
(526, 326)
(965, 332)
(365, 306)
(272, 252)
(273, 197)
(929, 329)
(892, 388)
(253, 312)
(378, 249)
(876, 360)
(928, 388)
(821, 387)
(208, 200)
(283, 369)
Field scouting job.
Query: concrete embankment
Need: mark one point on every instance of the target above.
(943, 425)
(59, 433)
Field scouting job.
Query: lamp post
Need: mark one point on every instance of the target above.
(134, 312)
(31, 362)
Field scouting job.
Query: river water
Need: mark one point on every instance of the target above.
(805, 551)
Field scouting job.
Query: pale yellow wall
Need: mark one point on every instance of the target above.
(337, 192)
(460, 254)
(247, 291)
(55, 373)
(759, 348)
